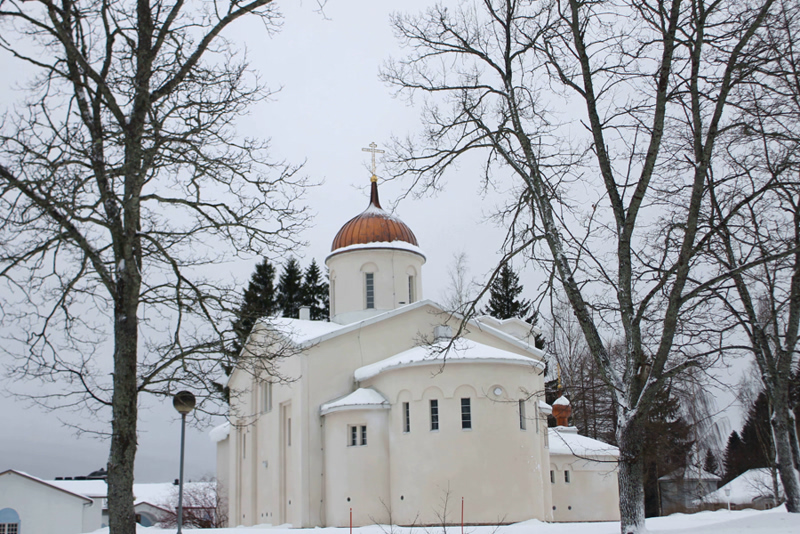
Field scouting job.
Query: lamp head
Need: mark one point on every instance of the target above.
(184, 402)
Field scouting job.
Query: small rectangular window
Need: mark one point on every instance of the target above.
(466, 414)
(566, 477)
(244, 445)
(357, 435)
(370, 287)
(434, 414)
(266, 397)
(289, 432)
(523, 423)
(406, 418)
(552, 477)
(411, 293)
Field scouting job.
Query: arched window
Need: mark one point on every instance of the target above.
(9, 521)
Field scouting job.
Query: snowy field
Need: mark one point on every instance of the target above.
(775, 521)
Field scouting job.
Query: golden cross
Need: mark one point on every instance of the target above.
(373, 148)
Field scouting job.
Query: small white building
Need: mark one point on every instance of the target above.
(30, 505)
(680, 489)
(583, 477)
(387, 415)
(755, 488)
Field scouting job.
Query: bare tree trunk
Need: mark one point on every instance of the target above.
(630, 436)
(784, 458)
(793, 440)
(122, 517)
(124, 402)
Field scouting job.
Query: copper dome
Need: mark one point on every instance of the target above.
(374, 225)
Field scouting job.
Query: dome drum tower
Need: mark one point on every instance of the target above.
(375, 264)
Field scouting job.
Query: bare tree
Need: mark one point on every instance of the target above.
(763, 165)
(606, 117)
(203, 506)
(459, 292)
(123, 185)
(578, 374)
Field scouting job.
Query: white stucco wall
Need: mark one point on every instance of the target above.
(493, 466)
(223, 474)
(391, 269)
(356, 477)
(43, 509)
(258, 464)
(592, 493)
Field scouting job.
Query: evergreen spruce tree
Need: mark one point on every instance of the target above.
(503, 293)
(533, 320)
(504, 304)
(259, 300)
(735, 458)
(667, 444)
(757, 436)
(315, 292)
(290, 289)
(752, 447)
(710, 463)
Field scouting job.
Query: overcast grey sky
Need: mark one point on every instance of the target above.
(330, 106)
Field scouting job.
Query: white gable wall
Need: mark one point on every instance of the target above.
(356, 477)
(44, 509)
(592, 493)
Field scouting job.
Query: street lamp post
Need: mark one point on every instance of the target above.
(184, 402)
(728, 496)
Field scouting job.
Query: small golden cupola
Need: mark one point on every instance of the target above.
(375, 262)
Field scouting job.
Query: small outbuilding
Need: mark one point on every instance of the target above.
(681, 488)
(31, 505)
(754, 488)
(583, 473)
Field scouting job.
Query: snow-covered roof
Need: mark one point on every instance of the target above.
(155, 493)
(89, 488)
(561, 401)
(219, 433)
(158, 492)
(462, 351)
(393, 245)
(545, 408)
(301, 331)
(690, 473)
(313, 332)
(745, 488)
(360, 399)
(567, 441)
(513, 325)
(49, 483)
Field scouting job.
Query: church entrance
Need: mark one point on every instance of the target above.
(287, 465)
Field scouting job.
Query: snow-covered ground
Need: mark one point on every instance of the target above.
(776, 521)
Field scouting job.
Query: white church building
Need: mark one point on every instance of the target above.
(386, 417)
